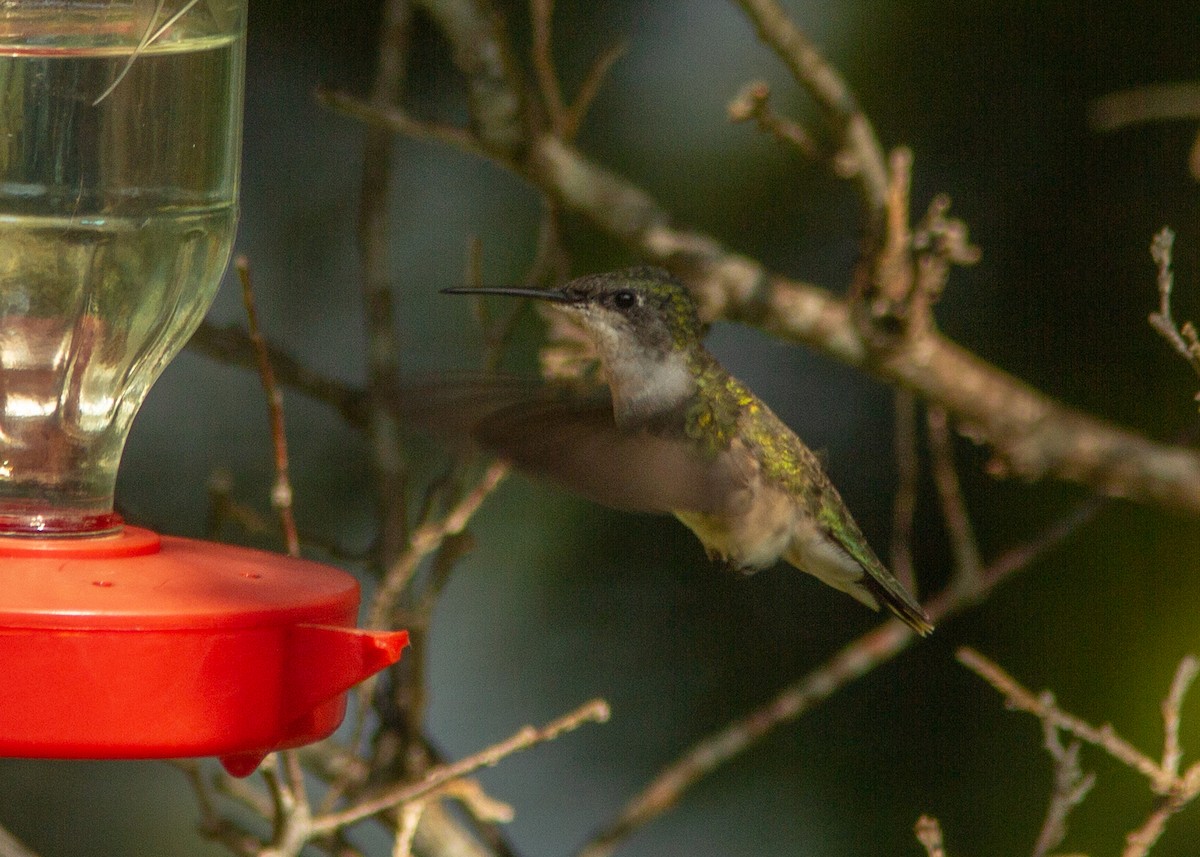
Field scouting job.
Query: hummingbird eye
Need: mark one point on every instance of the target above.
(624, 299)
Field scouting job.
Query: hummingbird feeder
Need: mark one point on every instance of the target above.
(120, 132)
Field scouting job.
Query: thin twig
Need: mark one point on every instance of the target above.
(1184, 340)
(468, 792)
(1185, 674)
(590, 88)
(938, 242)
(905, 504)
(893, 266)
(753, 102)
(565, 120)
(281, 491)
(406, 829)
(1043, 707)
(541, 13)
(1139, 842)
(495, 91)
(1071, 786)
(213, 825)
(1154, 103)
(10, 846)
(929, 834)
(401, 122)
(852, 662)
(596, 711)
(231, 345)
(426, 539)
(864, 156)
(968, 565)
(293, 815)
(436, 836)
(293, 772)
(374, 229)
(1175, 791)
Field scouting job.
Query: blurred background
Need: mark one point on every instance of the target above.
(562, 601)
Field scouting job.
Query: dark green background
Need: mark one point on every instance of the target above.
(562, 601)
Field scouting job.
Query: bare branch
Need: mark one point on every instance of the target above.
(406, 830)
(929, 834)
(281, 492)
(1185, 674)
(893, 266)
(753, 103)
(1071, 786)
(905, 504)
(1175, 791)
(1139, 842)
(541, 12)
(468, 792)
(494, 88)
(1154, 103)
(426, 539)
(893, 293)
(968, 564)
(864, 156)
(10, 846)
(1043, 707)
(852, 662)
(212, 824)
(938, 242)
(293, 815)
(438, 836)
(590, 88)
(596, 711)
(231, 345)
(668, 786)
(374, 241)
(400, 122)
(1185, 341)
(1033, 435)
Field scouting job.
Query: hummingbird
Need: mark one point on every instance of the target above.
(675, 433)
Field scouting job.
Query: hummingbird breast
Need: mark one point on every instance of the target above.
(758, 522)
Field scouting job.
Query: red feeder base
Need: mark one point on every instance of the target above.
(133, 646)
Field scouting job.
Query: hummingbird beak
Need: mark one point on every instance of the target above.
(553, 295)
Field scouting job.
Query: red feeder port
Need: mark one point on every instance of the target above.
(135, 646)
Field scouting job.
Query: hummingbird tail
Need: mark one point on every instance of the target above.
(899, 602)
(850, 565)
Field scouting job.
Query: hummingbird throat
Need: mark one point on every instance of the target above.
(646, 384)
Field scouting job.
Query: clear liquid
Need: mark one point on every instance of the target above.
(116, 221)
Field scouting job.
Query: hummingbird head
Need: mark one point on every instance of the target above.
(644, 326)
(641, 308)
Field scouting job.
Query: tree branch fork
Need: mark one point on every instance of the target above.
(1032, 435)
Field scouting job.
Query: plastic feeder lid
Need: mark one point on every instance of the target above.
(136, 646)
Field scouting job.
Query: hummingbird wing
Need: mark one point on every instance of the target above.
(826, 543)
(569, 435)
(881, 586)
